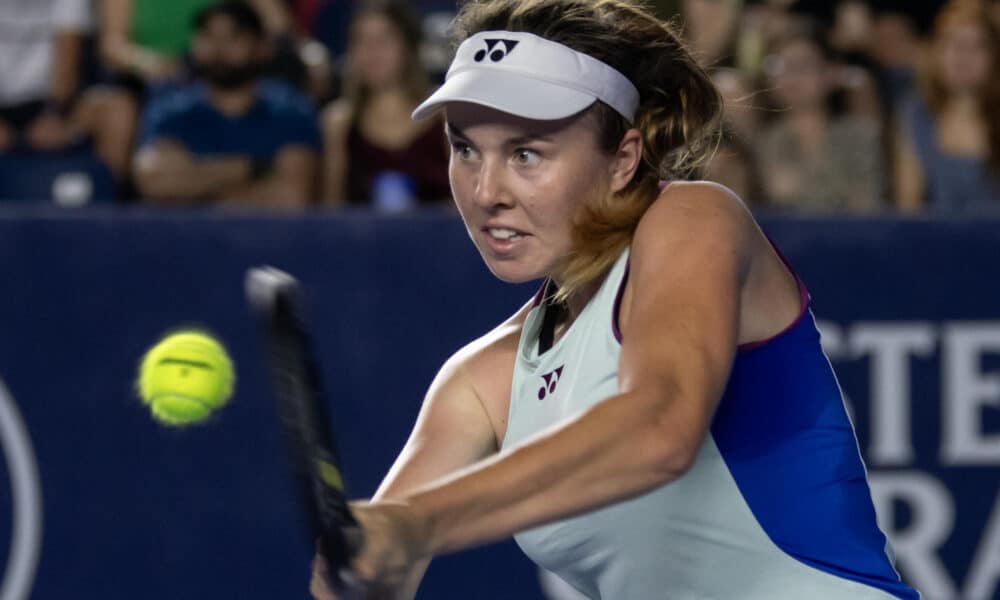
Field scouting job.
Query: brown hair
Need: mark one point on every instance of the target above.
(972, 12)
(407, 25)
(678, 115)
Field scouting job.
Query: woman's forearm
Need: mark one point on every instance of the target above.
(614, 451)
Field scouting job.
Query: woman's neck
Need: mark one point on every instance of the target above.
(578, 300)
(233, 102)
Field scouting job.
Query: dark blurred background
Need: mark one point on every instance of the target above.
(846, 107)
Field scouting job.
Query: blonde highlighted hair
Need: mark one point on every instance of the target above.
(678, 116)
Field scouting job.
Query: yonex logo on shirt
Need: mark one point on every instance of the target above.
(496, 54)
(551, 379)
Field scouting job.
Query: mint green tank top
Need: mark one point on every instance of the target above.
(698, 538)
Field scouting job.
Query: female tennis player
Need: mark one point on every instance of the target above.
(659, 421)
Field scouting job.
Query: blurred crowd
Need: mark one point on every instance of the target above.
(839, 107)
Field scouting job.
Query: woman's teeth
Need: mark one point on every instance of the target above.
(503, 234)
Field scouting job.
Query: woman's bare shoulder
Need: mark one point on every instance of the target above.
(702, 207)
(712, 223)
(700, 197)
(487, 366)
(494, 350)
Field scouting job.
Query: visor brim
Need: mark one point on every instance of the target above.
(512, 93)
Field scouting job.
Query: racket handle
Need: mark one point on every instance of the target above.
(341, 537)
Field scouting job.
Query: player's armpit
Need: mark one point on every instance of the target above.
(453, 430)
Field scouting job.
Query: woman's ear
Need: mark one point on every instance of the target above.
(626, 160)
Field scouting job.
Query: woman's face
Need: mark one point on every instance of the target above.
(519, 184)
(800, 75)
(377, 51)
(964, 58)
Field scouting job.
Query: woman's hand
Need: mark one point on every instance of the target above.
(395, 539)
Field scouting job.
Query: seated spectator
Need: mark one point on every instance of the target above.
(230, 136)
(375, 153)
(40, 102)
(812, 159)
(948, 145)
(144, 47)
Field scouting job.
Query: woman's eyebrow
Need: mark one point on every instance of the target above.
(452, 131)
(527, 138)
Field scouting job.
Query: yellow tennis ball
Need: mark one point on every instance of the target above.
(185, 378)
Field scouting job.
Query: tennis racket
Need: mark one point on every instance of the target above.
(275, 298)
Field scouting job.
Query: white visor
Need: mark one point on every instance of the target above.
(529, 76)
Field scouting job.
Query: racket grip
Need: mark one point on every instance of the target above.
(341, 537)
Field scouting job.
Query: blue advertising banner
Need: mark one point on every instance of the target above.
(125, 508)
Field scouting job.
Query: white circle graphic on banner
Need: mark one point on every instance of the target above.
(26, 498)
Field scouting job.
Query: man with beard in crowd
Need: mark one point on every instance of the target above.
(231, 137)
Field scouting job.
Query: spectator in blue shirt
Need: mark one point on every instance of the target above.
(231, 137)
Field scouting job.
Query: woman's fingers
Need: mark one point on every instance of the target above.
(318, 586)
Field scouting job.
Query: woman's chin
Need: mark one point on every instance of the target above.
(512, 272)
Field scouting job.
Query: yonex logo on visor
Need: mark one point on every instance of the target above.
(499, 53)
(542, 79)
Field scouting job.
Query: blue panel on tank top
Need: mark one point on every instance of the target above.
(783, 431)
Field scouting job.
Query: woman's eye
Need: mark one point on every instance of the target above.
(525, 156)
(462, 151)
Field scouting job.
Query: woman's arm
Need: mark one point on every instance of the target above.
(165, 171)
(119, 52)
(289, 184)
(274, 14)
(909, 174)
(336, 123)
